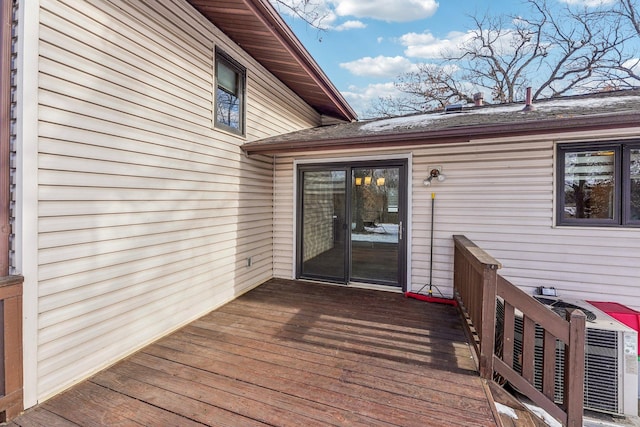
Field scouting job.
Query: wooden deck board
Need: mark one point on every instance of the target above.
(290, 354)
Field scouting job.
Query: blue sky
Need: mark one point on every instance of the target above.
(368, 43)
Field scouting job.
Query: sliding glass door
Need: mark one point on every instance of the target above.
(351, 223)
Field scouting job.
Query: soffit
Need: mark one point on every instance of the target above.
(256, 27)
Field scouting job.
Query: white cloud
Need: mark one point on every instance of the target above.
(386, 10)
(380, 66)
(350, 25)
(589, 3)
(426, 45)
(324, 13)
(633, 64)
(362, 98)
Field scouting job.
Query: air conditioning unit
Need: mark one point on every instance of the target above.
(611, 367)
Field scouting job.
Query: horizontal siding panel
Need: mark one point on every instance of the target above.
(89, 193)
(54, 108)
(167, 231)
(119, 142)
(212, 182)
(115, 97)
(63, 261)
(178, 21)
(57, 208)
(67, 290)
(157, 33)
(83, 357)
(95, 310)
(99, 77)
(86, 52)
(110, 41)
(91, 160)
(82, 222)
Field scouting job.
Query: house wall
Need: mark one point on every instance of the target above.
(500, 194)
(146, 215)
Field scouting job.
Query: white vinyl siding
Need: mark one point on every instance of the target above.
(147, 215)
(500, 194)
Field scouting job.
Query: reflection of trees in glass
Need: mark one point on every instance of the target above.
(589, 185)
(227, 109)
(635, 184)
(371, 197)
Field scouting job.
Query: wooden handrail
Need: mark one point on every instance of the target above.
(479, 291)
(474, 277)
(11, 391)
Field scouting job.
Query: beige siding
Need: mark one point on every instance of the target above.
(147, 215)
(500, 194)
(283, 232)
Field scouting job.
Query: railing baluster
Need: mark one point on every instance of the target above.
(508, 334)
(549, 365)
(528, 348)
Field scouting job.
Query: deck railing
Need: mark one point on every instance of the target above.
(10, 347)
(479, 290)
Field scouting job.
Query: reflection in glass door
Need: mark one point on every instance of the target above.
(375, 225)
(322, 248)
(350, 223)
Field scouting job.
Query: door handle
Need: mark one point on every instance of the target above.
(400, 231)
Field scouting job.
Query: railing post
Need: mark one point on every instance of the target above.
(574, 368)
(487, 337)
(11, 395)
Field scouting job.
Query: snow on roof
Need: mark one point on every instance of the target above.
(547, 106)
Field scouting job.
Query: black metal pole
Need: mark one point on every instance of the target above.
(433, 203)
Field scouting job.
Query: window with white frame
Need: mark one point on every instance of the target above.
(230, 94)
(599, 184)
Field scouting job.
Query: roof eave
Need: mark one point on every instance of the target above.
(297, 49)
(257, 27)
(450, 135)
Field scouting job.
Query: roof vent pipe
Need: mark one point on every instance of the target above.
(529, 102)
(478, 99)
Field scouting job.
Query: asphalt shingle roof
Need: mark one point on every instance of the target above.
(618, 108)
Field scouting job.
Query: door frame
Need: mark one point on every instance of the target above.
(405, 268)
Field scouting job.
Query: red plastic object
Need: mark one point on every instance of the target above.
(622, 314)
(431, 299)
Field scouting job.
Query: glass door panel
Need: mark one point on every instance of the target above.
(324, 231)
(375, 225)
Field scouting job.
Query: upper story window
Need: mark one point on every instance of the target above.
(599, 184)
(230, 90)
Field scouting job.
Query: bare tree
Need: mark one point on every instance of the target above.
(555, 50)
(630, 10)
(624, 71)
(312, 12)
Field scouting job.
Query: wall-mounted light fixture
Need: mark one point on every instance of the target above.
(434, 173)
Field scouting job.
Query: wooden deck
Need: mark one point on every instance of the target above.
(291, 354)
